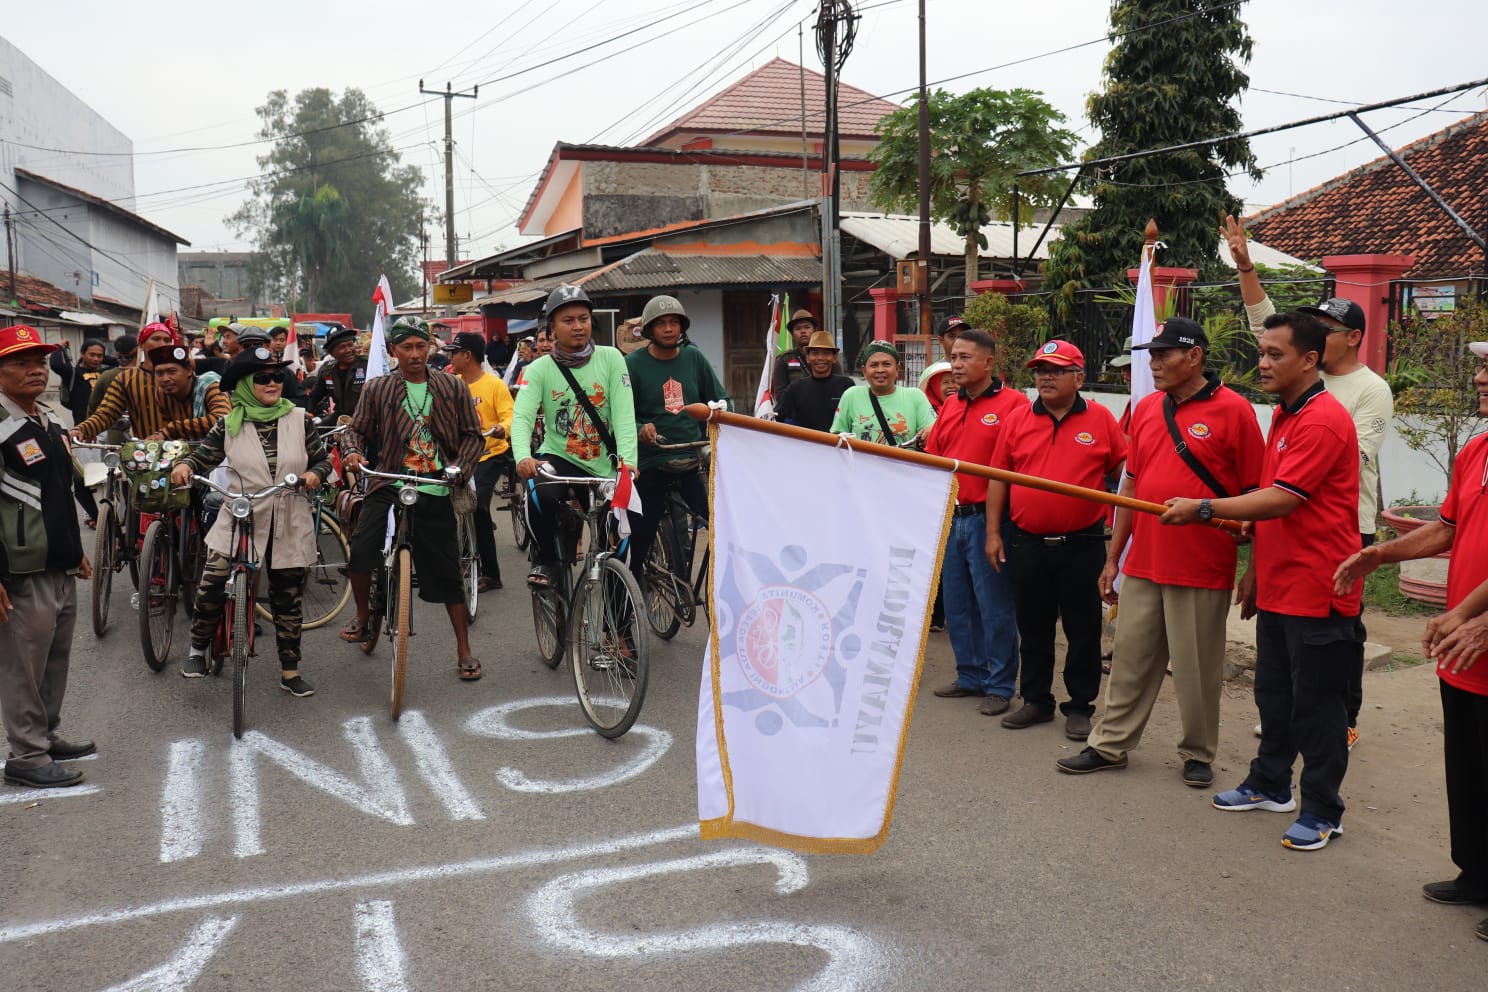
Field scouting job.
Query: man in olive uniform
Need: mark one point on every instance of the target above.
(338, 381)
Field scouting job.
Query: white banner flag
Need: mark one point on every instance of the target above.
(819, 608)
(382, 303)
(1144, 327)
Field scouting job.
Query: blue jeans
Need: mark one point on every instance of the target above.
(980, 617)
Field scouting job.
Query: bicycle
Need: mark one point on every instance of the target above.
(603, 638)
(234, 634)
(513, 498)
(673, 591)
(171, 561)
(111, 551)
(391, 597)
(327, 588)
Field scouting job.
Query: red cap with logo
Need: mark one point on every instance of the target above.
(22, 337)
(1059, 352)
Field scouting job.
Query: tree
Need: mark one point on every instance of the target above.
(333, 206)
(1172, 77)
(1018, 329)
(1431, 373)
(979, 141)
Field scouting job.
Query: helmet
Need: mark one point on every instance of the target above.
(562, 296)
(662, 306)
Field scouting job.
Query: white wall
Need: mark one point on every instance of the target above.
(1402, 471)
(705, 310)
(147, 256)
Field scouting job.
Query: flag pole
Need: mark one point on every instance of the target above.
(703, 412)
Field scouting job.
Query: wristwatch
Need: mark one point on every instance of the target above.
(1206, 510)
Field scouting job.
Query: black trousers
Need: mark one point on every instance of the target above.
(1356, 678)
(653, 487)
(1303, 667)
(1056, 583)
(543, 512)
(487, 474)
(1465, 743)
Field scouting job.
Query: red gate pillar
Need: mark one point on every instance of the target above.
(1365, 279)
(1004, 287)
(885, 313)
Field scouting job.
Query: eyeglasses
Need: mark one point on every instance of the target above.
(1054, 371)
(267, 378)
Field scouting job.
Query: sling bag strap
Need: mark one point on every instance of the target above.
(1183, 451)
(599, 425)
(883, 422)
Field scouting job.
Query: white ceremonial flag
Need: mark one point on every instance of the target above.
(382, 303)
(1144, 328)
(824, 570)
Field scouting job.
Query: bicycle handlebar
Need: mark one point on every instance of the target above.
(546, 471)
(95, 446)
(291, 482)
(418, 480)
(683, 446)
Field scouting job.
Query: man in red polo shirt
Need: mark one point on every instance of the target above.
(1459, 642)
(1197, 437)
(979, 612)
(1056, 547)
(1308, 635)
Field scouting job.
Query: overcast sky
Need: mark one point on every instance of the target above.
(173, 75)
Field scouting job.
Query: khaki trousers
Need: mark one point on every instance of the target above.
(35, 648)
(1158, 624)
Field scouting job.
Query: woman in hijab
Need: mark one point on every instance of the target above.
(264, 438)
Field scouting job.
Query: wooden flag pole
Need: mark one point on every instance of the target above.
(703, 412)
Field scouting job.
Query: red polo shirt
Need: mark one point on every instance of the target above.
(967, 430)
(1221, 431)
(1466, 509)
(1312, 452)
(1079, 449)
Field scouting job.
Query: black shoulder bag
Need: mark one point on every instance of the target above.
(1180, 446)
(883, 422)
(594, 418)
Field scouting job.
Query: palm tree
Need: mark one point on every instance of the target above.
(315, 229)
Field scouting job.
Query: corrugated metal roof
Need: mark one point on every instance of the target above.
(656, 270)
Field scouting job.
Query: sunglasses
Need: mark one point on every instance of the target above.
(267, 378)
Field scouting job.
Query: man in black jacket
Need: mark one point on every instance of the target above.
(337, 383)
(77, 386)
(812, 402)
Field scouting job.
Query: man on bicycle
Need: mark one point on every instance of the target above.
(409, 422)
(152, 414)
(493, 405)
(665, 376)
(582, 392)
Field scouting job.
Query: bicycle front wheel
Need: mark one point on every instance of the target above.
(241, 606)
(608, 649)
(401, 586)
(469, 561)
(326, 587)
(513, 491)
(105, 549)
(157, 598)
(663, 591)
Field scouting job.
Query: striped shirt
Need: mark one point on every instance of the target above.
(133, 391)
(380, 428)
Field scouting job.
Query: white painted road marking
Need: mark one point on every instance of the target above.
(493, 722)
(186, 965)
(381, 963)
(391, 877)
(182, 820)
(438, 772)
(855, 961)
(46, 795)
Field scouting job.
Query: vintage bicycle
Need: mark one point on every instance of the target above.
(675, 586)
(112, 550)
(234, 635)
(592, 614)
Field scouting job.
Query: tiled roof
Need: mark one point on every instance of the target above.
(768, 101)
(1377, 209)
(39, 292)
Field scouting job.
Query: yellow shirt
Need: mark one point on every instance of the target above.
(493, 404)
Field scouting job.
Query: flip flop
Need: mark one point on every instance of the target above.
(354, 632)
(470, 669)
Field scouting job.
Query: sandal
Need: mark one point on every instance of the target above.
(470, 669)
(354, 632)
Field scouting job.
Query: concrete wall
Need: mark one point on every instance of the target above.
(132, 256)
(222, 274)
(41, 111)
(1402, 471)
(50, 238)
(622, 197)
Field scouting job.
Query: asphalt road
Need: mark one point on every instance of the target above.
(490, 841)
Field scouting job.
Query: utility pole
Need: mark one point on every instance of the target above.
(9, 254)
(922, 281)
(449, 95)
(836, 27)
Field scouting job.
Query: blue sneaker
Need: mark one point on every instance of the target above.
(1310, 833)
(1245, 798)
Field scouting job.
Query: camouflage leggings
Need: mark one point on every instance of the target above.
(286, 589)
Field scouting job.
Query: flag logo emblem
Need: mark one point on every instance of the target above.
(1200, 431)
(1085, 437)
(784, 641)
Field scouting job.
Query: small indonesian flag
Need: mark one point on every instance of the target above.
(625, 501)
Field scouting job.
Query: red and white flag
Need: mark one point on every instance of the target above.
(625, 501)
(382, 303)
(764, 395)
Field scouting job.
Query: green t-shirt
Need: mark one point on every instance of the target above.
(422, 456)
(662, 389)
(569, 435)
(908, 412)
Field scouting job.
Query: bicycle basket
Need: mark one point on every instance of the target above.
(147, 465)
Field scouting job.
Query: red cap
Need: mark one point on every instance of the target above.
(22, 337)
(1058, 353)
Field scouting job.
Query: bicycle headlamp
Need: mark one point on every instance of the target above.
(408, 495)
(241, 508)
(111, 459)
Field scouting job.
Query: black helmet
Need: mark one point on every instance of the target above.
(562, 297)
